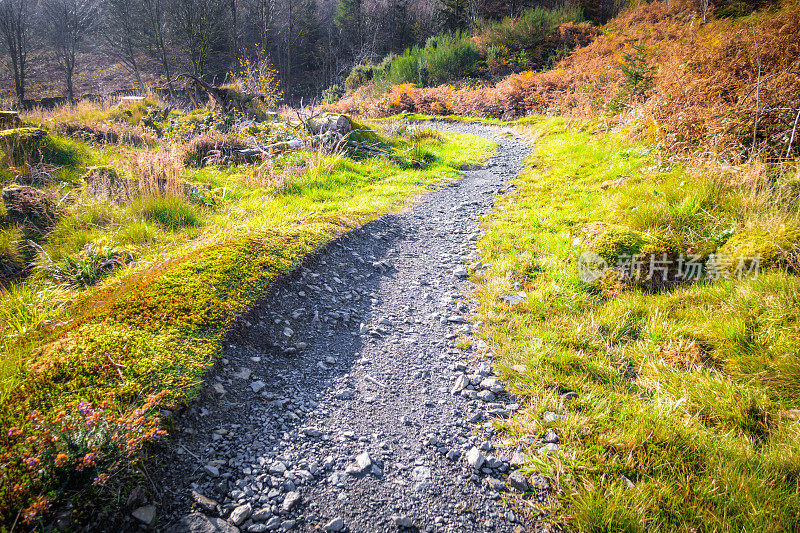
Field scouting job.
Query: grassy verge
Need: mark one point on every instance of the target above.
(687, 394)
(86, 367)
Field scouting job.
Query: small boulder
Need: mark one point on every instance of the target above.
(339, 124)
(30, 208)
(105, 182)
(9, 119)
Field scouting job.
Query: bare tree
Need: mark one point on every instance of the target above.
(15, 17)
(155, 35)
(69, 26)
(122, 30)
(200, 26)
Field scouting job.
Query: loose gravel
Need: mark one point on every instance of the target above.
(341, 402)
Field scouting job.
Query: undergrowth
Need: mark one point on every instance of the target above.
(726, 87)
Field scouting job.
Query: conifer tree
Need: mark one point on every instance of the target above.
(455, 14)
(349, 19)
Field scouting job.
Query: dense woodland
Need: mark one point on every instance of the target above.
(312, 43)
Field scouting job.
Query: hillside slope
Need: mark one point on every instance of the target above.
(729, 86)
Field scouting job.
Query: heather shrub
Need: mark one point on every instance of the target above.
(407, 68)
(449, 57)
(536, 30)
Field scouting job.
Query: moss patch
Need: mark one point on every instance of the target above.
(777, 248)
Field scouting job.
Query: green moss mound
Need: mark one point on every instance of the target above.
(30, 146)
(612, 242)
(777, 248)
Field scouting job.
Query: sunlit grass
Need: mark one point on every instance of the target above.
(686, 392)
(199, 260)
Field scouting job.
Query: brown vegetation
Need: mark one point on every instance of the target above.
(730, 86)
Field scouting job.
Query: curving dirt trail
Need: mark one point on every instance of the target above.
(333, 408)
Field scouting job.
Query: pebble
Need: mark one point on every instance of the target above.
(518, 482)
(362, 465)
(550, 416)
(460, 384)
(550, 436)
(549, 449)
(241, 513)
(262, 515)
(337, 524)
(146, 514)
(291, 499)
(475, 458)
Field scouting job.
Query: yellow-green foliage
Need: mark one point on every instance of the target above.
(156, 326)
(776, 247)
(132, 113)
(688, 394)
(611, 242)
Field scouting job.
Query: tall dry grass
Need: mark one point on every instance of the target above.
(156, 173)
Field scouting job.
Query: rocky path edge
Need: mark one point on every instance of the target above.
(345, 401)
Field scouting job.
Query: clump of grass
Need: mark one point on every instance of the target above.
(12, 256)
(138, 233)
(463, 343)
(420, 133)
(86, 268)
(171, 212)
(157, 172)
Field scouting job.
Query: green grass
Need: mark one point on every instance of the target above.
(156, 325)
(686, 392)
(170, 212)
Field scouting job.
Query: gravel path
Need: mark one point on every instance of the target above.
(338, 403)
